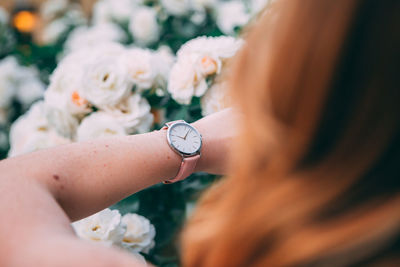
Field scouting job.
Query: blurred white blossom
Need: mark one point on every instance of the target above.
(196, 61)
(4, 17)
(106, 11)
(258, 5)
(141, 67)
(29, 91)
(18, 81)
(62, 121)
(53, 31)
(206, 3)
(8, 70)
(99, 125)
(231, 14)
(65, 89)
(90, 37)
(51, 8)
(32, 132)
(144, 26)
(104, 227)
(177, 7)
(139, 235)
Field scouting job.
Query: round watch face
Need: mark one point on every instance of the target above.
(184, 138)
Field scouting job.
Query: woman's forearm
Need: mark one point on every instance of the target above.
(87, 177)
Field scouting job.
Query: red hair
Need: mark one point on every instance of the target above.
(315, 176)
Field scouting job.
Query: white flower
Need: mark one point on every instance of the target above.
(8, 70)
(140, 66)
(20, 81)
(90, 37)
(63, 122)
(185, 82)
(230, 15)
(258, 5)
(53, 31)
(52, 8)
(106, 11)
(144, 26)
(177, 7)
(105, 80)
(163, 60)
(198, 59)
(208, 53)
(103, 227)
(216, 99)
(206, 3)
(133, 114)
(32, 132)
(4, 17)
(29, 91)
(65, 89)
(139, 235)
(99, 125)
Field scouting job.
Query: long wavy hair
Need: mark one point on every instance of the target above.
(315, 176)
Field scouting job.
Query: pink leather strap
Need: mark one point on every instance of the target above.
(187, 168)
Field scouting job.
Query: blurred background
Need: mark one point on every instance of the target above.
(41, 103)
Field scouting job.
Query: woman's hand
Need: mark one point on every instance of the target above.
(219, 131)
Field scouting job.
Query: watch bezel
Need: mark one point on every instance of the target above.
(197, 152)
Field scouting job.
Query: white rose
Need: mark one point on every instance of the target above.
(103, 227)
(206, 3)
(53, 31)
(230, 15)
(133, 114)
(106, 11)
(140, 66)
(65, 89)
(221, 47)
(52, 8)
(177, 7)
(30, 91)
(105, 80)
(63, 122)
(8, 70)
(139, 235)
(90, 37)
(32, 132)
(99, 125)
(163, 60)
(4, 17)
(216, 99)
(185, 81)
(144, 26)
(208, 53)
(196, 60)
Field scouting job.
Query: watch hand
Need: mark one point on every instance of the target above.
(186, 134)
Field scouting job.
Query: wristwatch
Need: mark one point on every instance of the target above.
(185, 140)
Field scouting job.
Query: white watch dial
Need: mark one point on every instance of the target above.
(184, 138)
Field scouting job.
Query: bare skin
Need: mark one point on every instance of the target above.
(42, 192)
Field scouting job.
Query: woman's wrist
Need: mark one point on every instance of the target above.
(203, 165)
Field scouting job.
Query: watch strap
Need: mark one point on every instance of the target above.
(187, 167)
